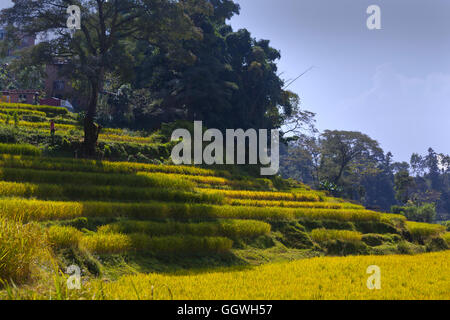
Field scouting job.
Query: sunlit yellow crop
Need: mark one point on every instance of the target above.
(425, 276)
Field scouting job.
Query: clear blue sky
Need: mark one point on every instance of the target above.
(393, 84)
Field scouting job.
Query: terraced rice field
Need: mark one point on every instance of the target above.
(48, 205)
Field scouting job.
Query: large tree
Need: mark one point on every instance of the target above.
(101, 45)
(342, 150)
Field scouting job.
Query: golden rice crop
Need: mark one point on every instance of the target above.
(106, 243)
(265, 195)
(110, 243)
(20, 149)
(421, 231)
(42, 108)
(226, 228)
(68, 164)
(11, 111)
(322, 235)
(156, 180)
(87, 192)
(36, 210)
(418, 277)
(124, 138)
(63, 236)
(19, 247)
(293, 204)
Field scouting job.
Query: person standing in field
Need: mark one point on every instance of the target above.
(52, 130)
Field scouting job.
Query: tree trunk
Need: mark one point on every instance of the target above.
(91, 130)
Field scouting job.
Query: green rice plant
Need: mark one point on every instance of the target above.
(63, 236)
(156, 180)
(421, 231)
(227, 228)
(20, 247)
(81, 192)
(20, 149)
(323, 235)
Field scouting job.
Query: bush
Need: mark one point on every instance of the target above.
(424, 213)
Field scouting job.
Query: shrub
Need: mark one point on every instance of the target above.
(424, 213)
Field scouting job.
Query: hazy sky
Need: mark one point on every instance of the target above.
(393, 84)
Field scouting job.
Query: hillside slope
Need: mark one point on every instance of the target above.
(114, 219)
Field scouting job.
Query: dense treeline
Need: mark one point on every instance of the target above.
(352, 165)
